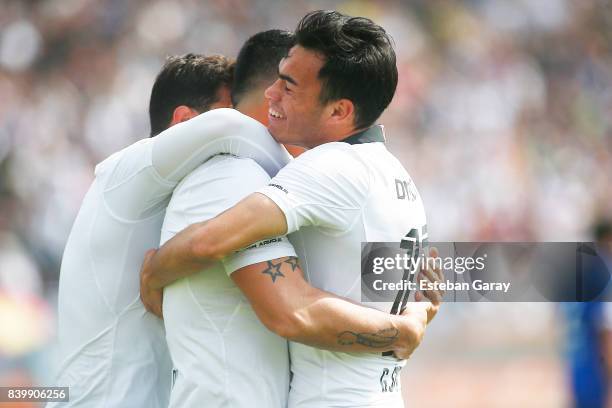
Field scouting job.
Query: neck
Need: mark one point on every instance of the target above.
(254, 105)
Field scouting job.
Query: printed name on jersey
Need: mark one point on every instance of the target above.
(405, 190)
(281, 188)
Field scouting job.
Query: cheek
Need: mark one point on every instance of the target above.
(299, 112)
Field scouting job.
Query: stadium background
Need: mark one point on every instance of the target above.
(502, 117)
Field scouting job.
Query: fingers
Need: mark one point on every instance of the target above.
(144, 268)
(429, 276)
(433, 295)
(156, 306)
(433, 252)
(153, 301)
(151, 298)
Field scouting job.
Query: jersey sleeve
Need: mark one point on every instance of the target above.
(212, 189)
(131, 188)
(183, 147)
(138, 181)
(325, 187)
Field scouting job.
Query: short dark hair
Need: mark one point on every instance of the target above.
(360, 63)
(257, 61)
(192, 80)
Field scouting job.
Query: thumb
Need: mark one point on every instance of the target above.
(433, 252)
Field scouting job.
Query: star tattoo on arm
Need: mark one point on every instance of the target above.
(273, 270)
(293, 262)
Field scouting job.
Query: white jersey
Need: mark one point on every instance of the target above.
(111, 352)
(223, 355)
(339, 195)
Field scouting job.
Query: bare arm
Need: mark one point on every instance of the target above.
(200, 245)
(287, 305)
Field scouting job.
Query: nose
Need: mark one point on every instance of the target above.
(272, 93)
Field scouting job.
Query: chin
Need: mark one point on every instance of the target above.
(276, 133)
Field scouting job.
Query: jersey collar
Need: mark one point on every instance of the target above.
(372, 134)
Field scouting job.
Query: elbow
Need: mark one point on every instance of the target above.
(289, 325)
(202, 248)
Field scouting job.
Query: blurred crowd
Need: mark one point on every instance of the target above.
(503, 115)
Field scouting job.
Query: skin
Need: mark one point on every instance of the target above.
(291, 308)
(295, 96)
(182, 113)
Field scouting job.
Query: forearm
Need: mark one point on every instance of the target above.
(202, 244)
(333, 323)
(175, 259)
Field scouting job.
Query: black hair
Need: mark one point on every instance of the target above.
(257, 61)
(359, 61)
(192, 80)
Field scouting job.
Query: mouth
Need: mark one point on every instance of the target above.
(275, 114)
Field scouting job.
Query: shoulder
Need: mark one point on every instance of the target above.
(235, 173)
(231, 117)
(231, 165)
(139, 150)
(332, 160)
(212, 188)
(330, 155)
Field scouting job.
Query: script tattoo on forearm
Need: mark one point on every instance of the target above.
(274, 269)
(382, 338)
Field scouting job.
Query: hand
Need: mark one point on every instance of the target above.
(417, 315)
(432, 274)
(412, 329)
(151, 298)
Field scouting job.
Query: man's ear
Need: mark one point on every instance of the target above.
(342, 111)
(182, 113)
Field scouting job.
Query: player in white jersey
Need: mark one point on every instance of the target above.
(111, 352)
(335, 210)
(216, 342)
(213, 335)
(333, 85)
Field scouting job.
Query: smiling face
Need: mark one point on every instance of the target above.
(295, 113)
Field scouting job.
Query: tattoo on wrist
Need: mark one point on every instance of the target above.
(382, 338)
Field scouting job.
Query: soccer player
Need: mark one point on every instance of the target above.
(332, 87)
(111, 352)
(214, 337)
(215, 340)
